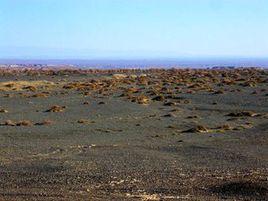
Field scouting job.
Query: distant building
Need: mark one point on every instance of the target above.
(14, 65)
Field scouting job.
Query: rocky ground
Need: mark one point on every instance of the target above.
(133, 134)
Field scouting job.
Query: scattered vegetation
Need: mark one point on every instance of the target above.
(19, 123)
(25, 85)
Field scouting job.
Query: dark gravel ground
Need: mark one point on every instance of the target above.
(128, 151)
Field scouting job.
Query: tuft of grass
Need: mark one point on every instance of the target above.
(82, 121)
(3, 111)
(56, 108)
(243, 114)
(9, 123)
(24, 123)
(44, 123)
(142, 99)
(197, 129)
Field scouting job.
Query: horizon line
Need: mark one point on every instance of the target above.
(136, 58)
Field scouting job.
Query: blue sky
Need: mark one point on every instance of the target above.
(90, 29)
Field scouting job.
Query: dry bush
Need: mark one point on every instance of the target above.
(243, 114)
(56, 108)
(45, 123)
(197, 129)
(24, 123)
(3, 111)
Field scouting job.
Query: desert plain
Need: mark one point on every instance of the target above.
(155, 134)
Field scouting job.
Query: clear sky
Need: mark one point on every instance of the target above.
(90, 29)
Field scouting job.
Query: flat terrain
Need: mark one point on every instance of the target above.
(133, 135)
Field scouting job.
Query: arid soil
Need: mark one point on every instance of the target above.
(133, 134)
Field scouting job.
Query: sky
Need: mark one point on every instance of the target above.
(123, 29)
